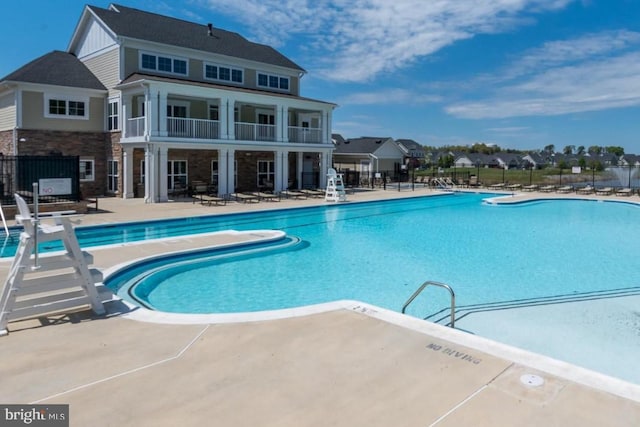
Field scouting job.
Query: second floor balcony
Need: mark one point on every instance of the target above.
(201, 129)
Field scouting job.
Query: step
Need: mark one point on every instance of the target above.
(56, 262)
(56, 282)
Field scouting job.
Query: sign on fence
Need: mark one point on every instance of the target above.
(54, 186)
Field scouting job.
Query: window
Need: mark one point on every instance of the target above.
(273, 82)
(174, 110)
(112, 176)
(223, 73)
(266, 173)
(166, 64)
(214, 173)
(176, 172)
(113, 112)
(87, 170)
(66, 107)
(213, 112)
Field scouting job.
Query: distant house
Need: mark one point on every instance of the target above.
(151, 103)
(414, 152)
(508, 160)
(632, 160)
(368, 154)
(536, 160)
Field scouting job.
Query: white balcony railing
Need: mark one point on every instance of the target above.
(308, 135)
(193, 128)
(255, 132)
(179, 127)
(135, 127)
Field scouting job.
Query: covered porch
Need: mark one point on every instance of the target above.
(159, 171)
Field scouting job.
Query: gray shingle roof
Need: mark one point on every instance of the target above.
(141, 25)
(56, 68)
(360, 145)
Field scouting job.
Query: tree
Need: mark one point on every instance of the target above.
(580, 151)
(618, 151)
(550, 148)
(595, 150)
(569, 149)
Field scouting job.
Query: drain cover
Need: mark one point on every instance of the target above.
(532, 380)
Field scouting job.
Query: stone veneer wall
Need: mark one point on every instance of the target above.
(68, 143)
(6, 142)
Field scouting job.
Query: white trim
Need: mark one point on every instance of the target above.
(157, 56)
(269, 76)
(218, 79)
(93, 169)
(67, 99)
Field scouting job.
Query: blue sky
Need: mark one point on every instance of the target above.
(522, 74)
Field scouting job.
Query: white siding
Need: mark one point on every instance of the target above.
(106, 67)
(7, 112)
(94, 39)
(389, 150)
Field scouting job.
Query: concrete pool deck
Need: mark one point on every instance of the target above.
(351, 365)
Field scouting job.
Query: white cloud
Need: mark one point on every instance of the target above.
(595, 72)
(389, 96)
(356, 40)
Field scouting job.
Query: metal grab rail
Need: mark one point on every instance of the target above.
(441, 285)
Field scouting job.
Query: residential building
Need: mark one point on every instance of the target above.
(151, 103)
(413, 152)
(368, 154)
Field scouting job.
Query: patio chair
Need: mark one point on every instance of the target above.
(585, 190)
(564, 189)
(627, 192)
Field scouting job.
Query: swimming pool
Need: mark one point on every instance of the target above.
(380, 252)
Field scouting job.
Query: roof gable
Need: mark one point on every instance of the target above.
(56, 68)
(385, 146)
(140, 25)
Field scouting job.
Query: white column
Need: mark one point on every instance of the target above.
(148, 113)
(126, 113)
(223, 178)
(299, 166)
(153, 112)
(285, 169)
(325, 163)
(326, 138)
(162, 185)
(149, 174)
(231, 171)
(231, 123)
(223, 119)
(279, 183)
(127, 172)
(282, 135)
(162, 113)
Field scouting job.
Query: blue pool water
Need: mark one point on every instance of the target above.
(381, 252)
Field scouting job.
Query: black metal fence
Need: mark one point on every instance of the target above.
(18, 173)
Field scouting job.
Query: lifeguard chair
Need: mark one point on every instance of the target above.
(335, 187)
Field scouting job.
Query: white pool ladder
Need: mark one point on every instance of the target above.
(444, 183)
(438, 284)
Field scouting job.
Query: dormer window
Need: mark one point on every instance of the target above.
(163, 63)
(273, 81)
(223, 73)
